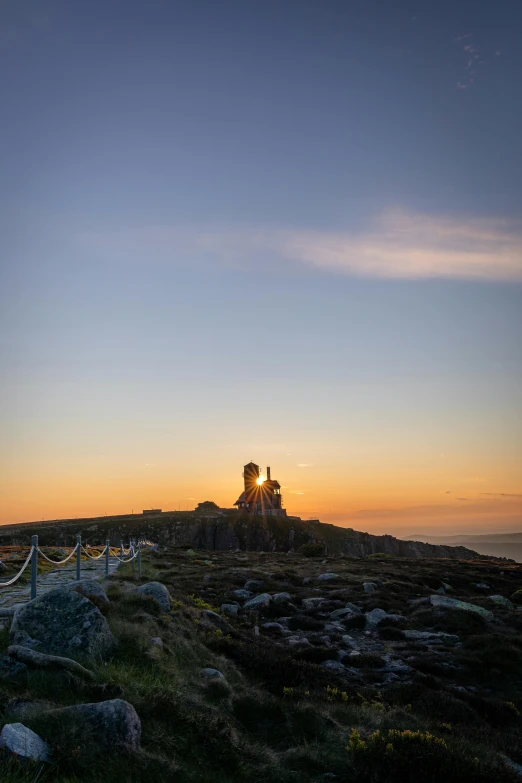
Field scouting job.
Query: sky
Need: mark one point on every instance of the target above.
(280, 231)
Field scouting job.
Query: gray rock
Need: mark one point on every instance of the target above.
(91, 590)
(481, 586)
(106, 726)
(212, 673)
(241, 595)
(298, 641)
(38, 660)
(369, 587)
(254, 585)
(18, 739)
(338, 613)
(229, 609)
(281, 598)
(333, 666)
(349, 641)
(62, 622)
(157, 591)
(312, 603)
(262, 601)
(374, 617)
(502, 601)
(329, 577)
(308, 580)
(213, 619)
(445, 602)
(157, 641)
(428, 637)
(11, 669)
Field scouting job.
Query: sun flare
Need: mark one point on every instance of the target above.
(260, 480)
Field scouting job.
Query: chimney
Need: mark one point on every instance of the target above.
(268, 474)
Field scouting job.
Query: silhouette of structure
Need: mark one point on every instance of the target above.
(261, 495)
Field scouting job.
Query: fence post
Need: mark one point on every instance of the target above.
(121, 549)
(34, 565)
(107, 544)
(139, 560)
(132, 553)
(78, 558)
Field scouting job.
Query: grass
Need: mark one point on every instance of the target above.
(279, 715)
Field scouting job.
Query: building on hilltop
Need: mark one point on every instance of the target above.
(261, 495)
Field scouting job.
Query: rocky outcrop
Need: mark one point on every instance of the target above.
(62, 622)
(227, 529)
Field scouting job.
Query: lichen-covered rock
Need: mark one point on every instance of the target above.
(443, 601)
(262, 601)
(91, 590)
(18, 739)
(329, 577)
(62, 622)
(502, 601)
(105, 726)
(157, 591)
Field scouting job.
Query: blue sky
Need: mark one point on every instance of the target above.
(286, 231)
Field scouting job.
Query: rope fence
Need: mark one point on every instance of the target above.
(135, 549)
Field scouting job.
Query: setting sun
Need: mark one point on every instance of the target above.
(260, 480)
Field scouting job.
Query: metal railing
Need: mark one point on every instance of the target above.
(134, 551)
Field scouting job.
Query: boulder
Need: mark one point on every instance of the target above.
(11, 669)
(105, 727)
(254, 585)
(281, 598)
(369, 587)
(309, 604)
(374, 617)
(431, 637)
(210, 674)
(502, 601)
(62, 622)
(229, 609)
(329, 577)
(338, 613)
(210, 619)
(241, 595)
(38, 660)
(18, 739)
(91, 590)
(157, 591)
(444, 602)
(262, 601)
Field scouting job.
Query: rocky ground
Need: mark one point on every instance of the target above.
(271, 667)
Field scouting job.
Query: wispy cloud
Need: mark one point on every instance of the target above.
(473, 60)
(397, 244)
(502, 494)
(305, 465)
